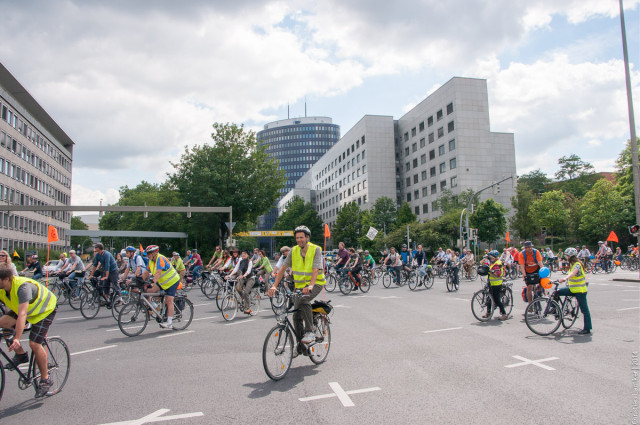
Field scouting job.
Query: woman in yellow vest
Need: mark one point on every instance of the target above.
(577, 287)
(496, 272)
(305, 261)
(165, 278)
(177, 264)
(28, 301)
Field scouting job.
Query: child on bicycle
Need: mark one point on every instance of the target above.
(577, 287)
(496, 272)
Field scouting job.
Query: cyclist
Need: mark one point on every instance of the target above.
(306, 265)
(440, 257)
(406, 258)
(496, 271)
(369, 263)
(355, 266)
(28, 301)
(222, 261)
(343, 259)
(601, 255)
(530, 262)
(74, 269)
(584, 255)
(34, 269)
(284, 252)
(109, 279)
(136, 263)
(176, 262)
(263, 267)
(196, 261)
(577, 287)
(454, 262)
(420, 260)
(61, 264)
(245, 280)
(394, 263)
(217, 255)
(165, 278)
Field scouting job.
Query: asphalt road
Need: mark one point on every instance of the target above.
(397, 357)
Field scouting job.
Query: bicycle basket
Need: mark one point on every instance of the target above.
(321, 307)
(483, 270)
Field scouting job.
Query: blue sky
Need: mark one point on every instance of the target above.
(132, 83)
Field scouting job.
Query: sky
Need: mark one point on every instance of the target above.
(134, 82)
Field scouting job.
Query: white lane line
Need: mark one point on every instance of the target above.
(342, 396)
(629, 308)
(68, 318)
(94, 349)
(461, 299)
(237, 323)
(157, 417)
(197, 305)
(205, 318)
(341, 306)
(174, 334)
(441, 330)
(603, 284)
(538, 363)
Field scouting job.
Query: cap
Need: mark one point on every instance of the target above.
(528, 244)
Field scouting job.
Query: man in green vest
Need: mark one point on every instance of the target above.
(28, 301)
(165, 278)
(305, 261)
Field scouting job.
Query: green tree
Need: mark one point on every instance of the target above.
(550, 211)
(384, 213)
(521, 203)
(450, 202)
(624, 172)
(604, 209)
(366, 221)
(300, 213)
(489, 219)
(426, 234)
(77, 224)
(348, 227)
(572, 167)
(536, 181)
(233, 171)
(405, 216)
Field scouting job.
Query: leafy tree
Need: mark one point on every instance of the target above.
(426, 234)
(572, 166)
(536, 181)
(489, 219)
(348, 226)
(521, 203)
(450, 202)
(233, 171)
(366, 221)
(300, 213)
(384, 213)
(624, 172)
(604, 209)
(550, 211)
(577, 186)
(405, 216)
(77, 224)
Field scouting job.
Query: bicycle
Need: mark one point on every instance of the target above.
(389, 276)
(425, 280)
(545, 314)
(233, 302)
(483, 297)
(58, 364)
(277, 351)
(64, 291)
(470, 272)
(134, 316)
(91, 298)
(348, 283)
(453, 282)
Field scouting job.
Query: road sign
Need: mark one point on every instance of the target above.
(258, 233)
(233, 224)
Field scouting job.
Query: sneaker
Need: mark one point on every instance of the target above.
(485, 316)
(308, 338)
(166, 325)
(17, 360)
(503, 317)
(43, 387)
(585, 332)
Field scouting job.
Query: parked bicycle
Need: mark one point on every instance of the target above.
(544, 315)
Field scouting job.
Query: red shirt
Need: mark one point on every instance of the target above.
(532, 264)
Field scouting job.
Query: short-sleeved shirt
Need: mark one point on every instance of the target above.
(344, 256)
(35, 267)
(406, 256)
(217, 255)
(368, 259)
(420, 257)
(27, 293)
(531, 266)
(135, 262)
(108, 262)
(393, 259)
(74, 265)
(162, 264)
(317, 259)
(197, 261)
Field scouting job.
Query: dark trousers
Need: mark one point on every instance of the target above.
(496, 293)
(304, 313)
(582, 302)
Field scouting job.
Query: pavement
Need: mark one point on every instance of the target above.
(396, 357)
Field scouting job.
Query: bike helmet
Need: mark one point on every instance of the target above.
(303, 229)
(284, 249)
(152, 248)
(130, 249)
(569, 252)
(494, 253)
(600, 242)
(194, 250)
(34, 256)
(404, 246)
(176, 253)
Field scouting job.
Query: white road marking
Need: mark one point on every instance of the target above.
(157, 417)
(93, 349)
(205, 318)
(174, 334)
(341, 306)
(69, 318)
(441, 330)
(603, 284)
(237, 323)
(538, 363)
(342, 395)
(628, 308)
(197, 305)
(461, 299)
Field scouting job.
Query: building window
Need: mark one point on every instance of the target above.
(440, 132)
(414, 147)
(452, 144)
(416, 194)
(454, 181)
(408, 181)
(406, 136)
(441, 150)
(443, 185)
(432, 154)
(408, 197)
(407, 166)
(422, 142)
(417, 210)
(443, 167)
(413, 131)
(439, 115)
(425, 191)
(431, 138)
(423, 158)
(425, 208)
(432, 171)
(415, 178)
(421, 126)
(430, 121)
(434, 189)
(415, 162)
(406, 151)
(450, 108)
(364, 169)
(452, 163)
(450, 127)
(424, 175)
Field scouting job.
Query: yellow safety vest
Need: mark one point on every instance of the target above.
(43, 305)
(496, 281)
(303, 268)
(169, 277)
(578, 285)
(177, 264)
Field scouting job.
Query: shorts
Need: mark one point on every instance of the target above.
(171, 290)
(38, 332)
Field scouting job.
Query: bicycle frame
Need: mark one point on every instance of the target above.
(31, 374)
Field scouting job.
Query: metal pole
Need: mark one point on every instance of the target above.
(632, 125)
(462, 239)
(408, 236)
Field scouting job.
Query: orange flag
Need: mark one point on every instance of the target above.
(507, 237)
(327, 233)
(53, 234)
(612, 237)
(141, 249)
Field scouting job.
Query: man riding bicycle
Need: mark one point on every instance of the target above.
(394, 262)
(406, 258)
(530, 261)
(165, 278)
(305, 261)
(245, 280)
(110, 275)
(369, 263)
(28, 301)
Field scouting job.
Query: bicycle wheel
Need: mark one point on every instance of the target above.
(254, 301)
(220, 294)
(277, 352)
(538, 321)
(319, 351)
(58, 290)
(278, 300)
(345, 286)
(133, 318)
(90, 304)
(365, 283)
(330, 286)
(117, 302)
(386, 280)
(229, 307)
(428, 280)
(450, 286)
(473, 272)
(182, 313)
(75, 297)
(479, 306)
(413, 284)
(58, 364)
(507, 300)
(1, 382)
(569, 312)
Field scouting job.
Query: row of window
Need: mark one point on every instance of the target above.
(439, 116)
(432, 155)
(341, 157)
(31, 158)
(334, 211)
(10, 245)
(32, 135)
(28, 179)
(345, 180)
(432, 172)
(414, 146)
(287, 152)
(434, 189)
(325, 129)
(15, 197)
(27, 225)
(271, 145)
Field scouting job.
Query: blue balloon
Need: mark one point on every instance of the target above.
(544, 272)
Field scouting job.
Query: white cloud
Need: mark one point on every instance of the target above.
(82, 195)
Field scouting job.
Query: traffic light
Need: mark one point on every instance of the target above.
(634, 229)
